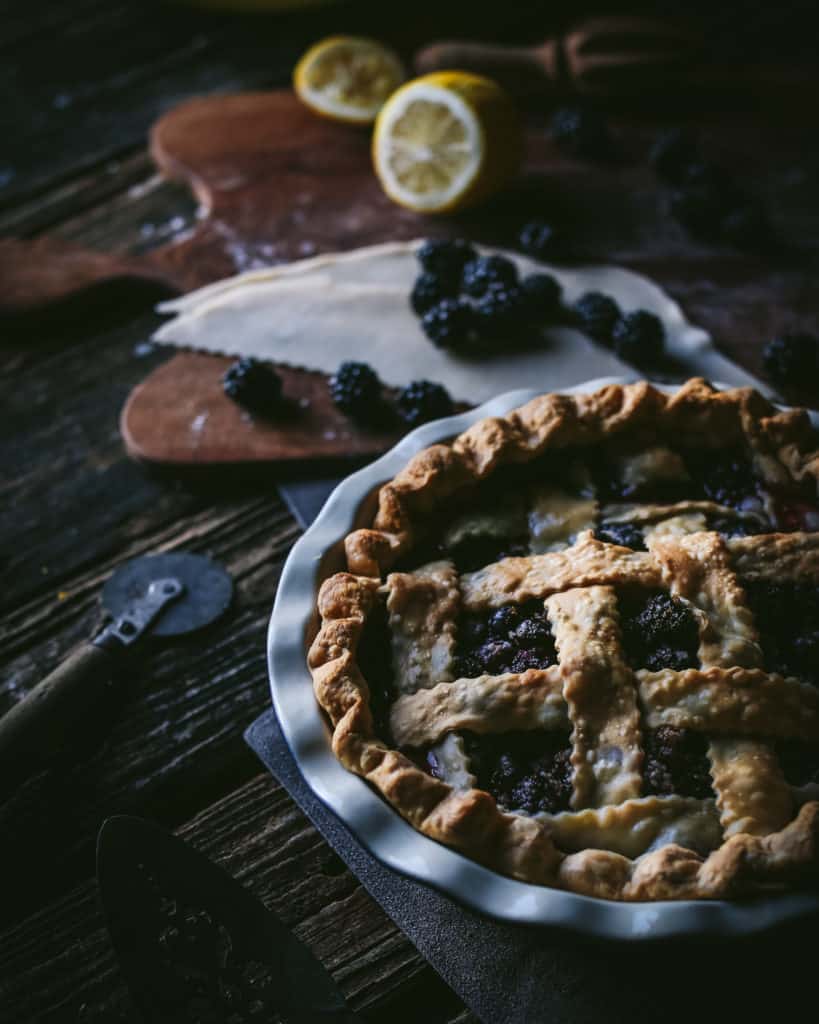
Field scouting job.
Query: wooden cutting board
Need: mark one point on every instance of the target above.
(275, 183)
(278, 183)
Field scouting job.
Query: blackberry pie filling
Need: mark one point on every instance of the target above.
(582, 645)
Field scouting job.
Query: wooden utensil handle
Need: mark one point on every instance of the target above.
(617, 55)
(40, 726)
(518, 68)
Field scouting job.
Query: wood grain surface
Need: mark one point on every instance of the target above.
(84, 82)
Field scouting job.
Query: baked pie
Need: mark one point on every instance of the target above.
(580, 644)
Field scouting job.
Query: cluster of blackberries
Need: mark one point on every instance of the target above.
(676, 762)
(705, 199)
(787, 618)
(637, 337)
(659, 632)
(626, 535)
(466, 302)
(513, 638)
(524, 771)
(357, 390)
(485, 299)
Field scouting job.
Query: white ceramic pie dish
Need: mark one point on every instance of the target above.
(378, 826)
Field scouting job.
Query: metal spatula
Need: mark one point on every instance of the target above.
(195, 945)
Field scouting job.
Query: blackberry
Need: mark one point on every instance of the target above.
(445, 258)
(596, 314)
(725, 477)
(356, 390)
(746, 226)
(667, 657)
(792, 358)
(528, 658)
(540, 240)
(658, 632)
(253, 385)
(555, 778)
(673, 152)
(582, 131)
(787, 618)
(663, 617)
(533, 632)
(468, 666)
(526, 771)
(504, 620)
(495, 656)
(429, 289)
(541, 294)
(479, 273)
(730, 527)
(421, 401)
(700, 209)
(676, 761)
(449, 324)
(639, 337)
(499, 308)
(627, 535)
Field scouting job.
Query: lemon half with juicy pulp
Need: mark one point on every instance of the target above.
(347, 78)
(445, 141)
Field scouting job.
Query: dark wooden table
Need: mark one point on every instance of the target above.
(83, 82)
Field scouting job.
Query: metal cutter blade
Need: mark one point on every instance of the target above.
(208, 590)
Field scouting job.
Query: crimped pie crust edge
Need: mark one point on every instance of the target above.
(471, 821)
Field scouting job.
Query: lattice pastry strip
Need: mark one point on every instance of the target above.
(594, 689)
(697, 569)
(724, 702)
(775, 557)
(751, 790)
(599, 689)
(422, 608)
(588, 563)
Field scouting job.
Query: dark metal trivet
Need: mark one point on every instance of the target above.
(514, 974)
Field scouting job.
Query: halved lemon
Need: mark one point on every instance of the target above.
(445, 141)
(347, 78)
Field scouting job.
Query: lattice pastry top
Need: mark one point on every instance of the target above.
(595, 662)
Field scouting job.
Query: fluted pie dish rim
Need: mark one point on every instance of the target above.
(384, 832)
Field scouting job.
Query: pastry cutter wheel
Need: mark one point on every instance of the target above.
(162, 595)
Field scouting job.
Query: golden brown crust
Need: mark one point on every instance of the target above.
(730, 698)
(698, 412)
(533, 700)
(590, 563)
(598, 687)
(697, 568)
(734, 701)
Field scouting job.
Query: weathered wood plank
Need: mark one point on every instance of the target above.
(58, 964)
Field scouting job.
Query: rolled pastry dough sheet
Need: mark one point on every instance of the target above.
(318, 312)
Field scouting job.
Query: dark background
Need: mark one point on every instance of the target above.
(81, 84)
